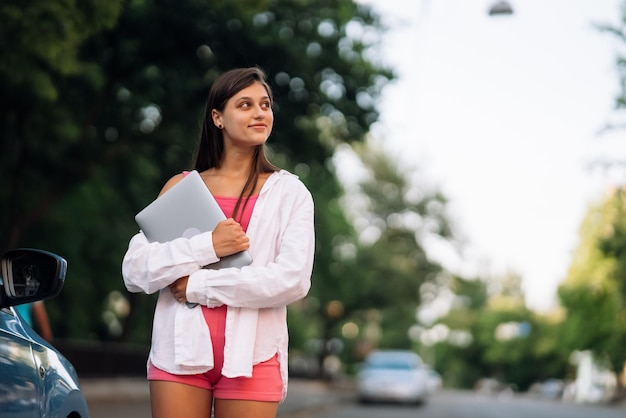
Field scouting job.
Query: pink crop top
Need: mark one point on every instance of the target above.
(228, 206)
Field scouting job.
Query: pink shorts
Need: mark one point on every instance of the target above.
(265, 384)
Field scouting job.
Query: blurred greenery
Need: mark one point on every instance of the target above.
(101, 105)
(594, 292)
(120, 114)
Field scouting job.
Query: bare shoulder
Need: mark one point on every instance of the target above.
(171, 182)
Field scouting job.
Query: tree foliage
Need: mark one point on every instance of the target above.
(117, 114)
(42, 40)
(383, 266)
(508, 341)
(594, 292)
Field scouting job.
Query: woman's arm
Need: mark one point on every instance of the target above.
(150, 266)
(286, 238)
(40, 320)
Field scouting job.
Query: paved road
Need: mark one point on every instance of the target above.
(126, 397)
(121, 398)
(465, 404)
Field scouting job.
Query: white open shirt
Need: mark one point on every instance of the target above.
(282, 243)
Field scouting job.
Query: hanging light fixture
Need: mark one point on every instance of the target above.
(500, 8)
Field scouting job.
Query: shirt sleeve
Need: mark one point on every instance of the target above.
(285, 274)
(150, 266)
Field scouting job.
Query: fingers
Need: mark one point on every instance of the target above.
(229, 238)
(229, 226)
(178, 289)
(177, 294)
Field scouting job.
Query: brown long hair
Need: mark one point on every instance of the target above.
(210, 151)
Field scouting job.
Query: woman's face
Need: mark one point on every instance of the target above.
(247, 118)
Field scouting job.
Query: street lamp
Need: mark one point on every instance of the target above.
(500, 8)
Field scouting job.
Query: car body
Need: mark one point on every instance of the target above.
(35, 379)
(548, 389)
(393, 376)
(493, 387)
(434, 380)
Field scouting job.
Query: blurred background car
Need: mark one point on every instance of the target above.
(435, 382)
(393, 376)
(548, 389)
(493, 387)
(35, 379)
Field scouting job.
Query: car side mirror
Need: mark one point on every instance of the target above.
(29, 275)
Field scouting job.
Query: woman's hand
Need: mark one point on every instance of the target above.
(229, 238)
(179, 289)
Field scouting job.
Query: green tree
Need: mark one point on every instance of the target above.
(594, 291)
(460, 360)
(82, 157)
(508, 341)
(517, 346)
(385, 265)
(41, 41)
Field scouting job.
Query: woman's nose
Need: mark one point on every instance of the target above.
(259, 111)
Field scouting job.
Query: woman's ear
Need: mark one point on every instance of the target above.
(217, 119)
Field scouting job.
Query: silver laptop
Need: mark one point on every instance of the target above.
(185, 210)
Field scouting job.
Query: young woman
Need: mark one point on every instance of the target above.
(229, 353)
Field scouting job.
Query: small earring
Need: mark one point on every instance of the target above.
(220, 126)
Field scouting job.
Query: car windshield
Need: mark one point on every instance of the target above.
(391, 362)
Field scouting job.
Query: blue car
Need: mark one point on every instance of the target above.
(393, 376)
(35, 379)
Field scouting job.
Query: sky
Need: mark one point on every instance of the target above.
(506, 115)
